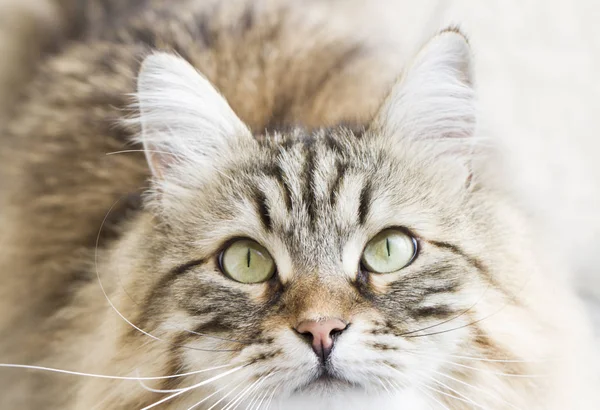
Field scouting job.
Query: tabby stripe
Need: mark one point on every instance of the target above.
(262, 208)
(335, 188)
(439, 311)
(333, 144)
(181, 269)
(277, 172)
(473, 261)
(485, 343)
(309, 176)
(213, 325)
(364, 203)
(445, 288)
(175, 365)
(160, 288)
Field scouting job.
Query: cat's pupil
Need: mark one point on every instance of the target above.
(248, 257)
(387, 246)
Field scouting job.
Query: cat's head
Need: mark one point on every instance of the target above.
(312, 263)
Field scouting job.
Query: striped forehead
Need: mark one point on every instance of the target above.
(310, 190)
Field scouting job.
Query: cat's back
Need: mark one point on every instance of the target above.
(276, 63)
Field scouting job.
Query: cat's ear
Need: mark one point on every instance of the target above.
(183, 117)
(434, 98)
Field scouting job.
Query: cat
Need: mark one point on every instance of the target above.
(271, 224)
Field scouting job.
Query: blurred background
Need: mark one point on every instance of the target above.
(537, 67)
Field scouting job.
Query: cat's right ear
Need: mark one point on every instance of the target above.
(184, 119)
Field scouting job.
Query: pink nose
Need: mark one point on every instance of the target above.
(322, 334)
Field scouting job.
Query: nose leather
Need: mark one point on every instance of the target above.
(322, 333)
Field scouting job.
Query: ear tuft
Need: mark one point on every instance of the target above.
(183, 117)
(434, 99)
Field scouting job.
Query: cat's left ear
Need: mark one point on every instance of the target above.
(434, 98)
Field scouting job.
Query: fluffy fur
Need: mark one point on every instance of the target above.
(480, 319)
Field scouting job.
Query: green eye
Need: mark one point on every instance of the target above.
(246, 261)
(389, 251)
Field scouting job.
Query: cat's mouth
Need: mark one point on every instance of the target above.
(325, 381)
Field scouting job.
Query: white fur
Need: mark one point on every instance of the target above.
(183, 117)
(434, 98)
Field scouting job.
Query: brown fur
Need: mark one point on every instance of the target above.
(58, 181)
(72, 214)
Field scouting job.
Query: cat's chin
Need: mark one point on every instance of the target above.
(326, 384)
(340, 395)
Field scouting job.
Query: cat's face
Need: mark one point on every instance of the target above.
(315, 263)
(321, 208)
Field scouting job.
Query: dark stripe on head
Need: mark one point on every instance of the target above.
(340, 168)
(309, 175)
(358, 129)
(277, 173)
(364, 203)
(333, 144)
(262, 208)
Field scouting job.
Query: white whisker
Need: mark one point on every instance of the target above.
(258, 394)
(253, 399)
(383, 385)
(397, 386)
(272, 396)
(125, 151)
(513, 298)
(226, 395)
(259, 384)
(443, 393)
(532, 376)
(477, 389)
(264, 396)
(431, 397)
(153, 390)
(483, 359)
(237, 400)
(417, 386)
(195, 386)
(474, 403)
(103, 376)
(267, 390)
(464, 312)
(210, 395)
